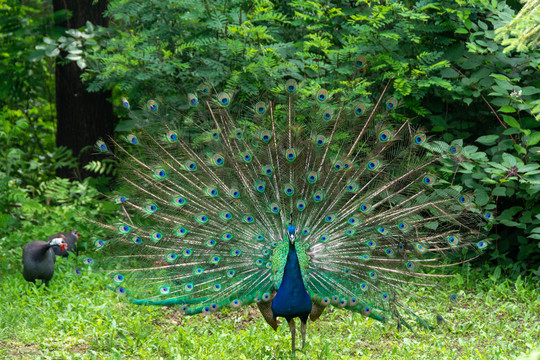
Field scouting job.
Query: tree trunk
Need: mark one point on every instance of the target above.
(82, 117)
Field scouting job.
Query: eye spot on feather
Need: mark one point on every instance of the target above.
(193, 101)
(132, 139)
(324, 238)
(224, 99)
(391, 104)
(152, 105)
(419, 139)
(428, 180)
(120, 290)
(124, 229)
(360, 62)
(373, 165)
(455, 149)
(291, 86)
(363, 287)
(187, 253)
(325, 301)
(452, 240)
(359, 110)
(366, 311)
(101, 146)
(260, 108)
(164, 290)
(181, 231)
(321, 95)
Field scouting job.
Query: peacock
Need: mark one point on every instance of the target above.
(295, 199)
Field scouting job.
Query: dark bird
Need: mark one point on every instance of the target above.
(298, 202)
(39, 258)
(71, 239)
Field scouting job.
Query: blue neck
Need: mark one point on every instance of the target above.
(292, 300)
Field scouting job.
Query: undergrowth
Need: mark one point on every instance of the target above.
(75, 317)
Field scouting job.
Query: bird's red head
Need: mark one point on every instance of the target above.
(63, 246)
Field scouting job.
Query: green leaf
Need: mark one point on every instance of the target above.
(500, 77)
(529, 90)
(509, 160)
(511, 131)
(528, 167)
(36, 55)
(533, 138)
(73, 57)
(511, 121)
(507, 109)
(473, 62)
(487, 139)
(536, 230)
(520, 149)
(449, 73)
(481, 197)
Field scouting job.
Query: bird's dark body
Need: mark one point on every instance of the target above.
(292, 299)
(71, 240)
(38, 261)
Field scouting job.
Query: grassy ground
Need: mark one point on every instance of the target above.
(75, 318)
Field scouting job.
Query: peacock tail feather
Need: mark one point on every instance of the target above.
(204, 218)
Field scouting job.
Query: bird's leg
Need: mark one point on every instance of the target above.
(303, 324)
(293, 332)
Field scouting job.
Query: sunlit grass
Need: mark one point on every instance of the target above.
(76, 317)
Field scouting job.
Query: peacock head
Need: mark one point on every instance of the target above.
(291, 229)
(59, 242)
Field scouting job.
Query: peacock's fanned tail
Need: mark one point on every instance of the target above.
(204, 216)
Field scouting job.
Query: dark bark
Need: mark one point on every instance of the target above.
(82, 117)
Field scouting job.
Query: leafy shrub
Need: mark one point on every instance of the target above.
(439, 59)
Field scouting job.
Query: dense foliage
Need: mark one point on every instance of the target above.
(440, 59)
(34, 203)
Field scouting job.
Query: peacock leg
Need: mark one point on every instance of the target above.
(303, 325)
(293, 331)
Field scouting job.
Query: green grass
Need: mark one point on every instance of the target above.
(76, 318)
